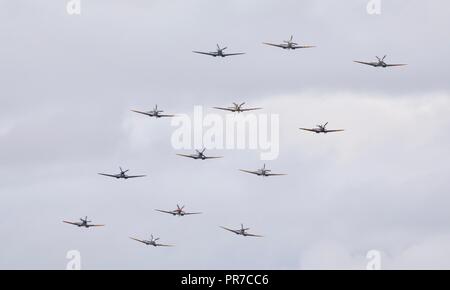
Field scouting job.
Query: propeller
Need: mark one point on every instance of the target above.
(241, 104)
(221, 49)
(156, 110)
(244, 229)
(85, 220)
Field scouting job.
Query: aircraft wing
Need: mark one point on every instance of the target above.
(252, 235)
(248, 171)
(224, 109)
(165, 211)
(213, 157)
(333, 131)
(389, 65)
(141, 241)
(135, 176)
(231, 54)
(143, 113)
(230, 230)
(71, 223)
(192, 213)
(250, 109)
(310, 130)
(366, 63)
(276, 45)
(275, 174)
(206, 53)
(109, 175)
(163, 245)
(302, 46)
(166, 116)
(188, 156)
(95, 226)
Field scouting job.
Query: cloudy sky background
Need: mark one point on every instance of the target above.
(67, 84)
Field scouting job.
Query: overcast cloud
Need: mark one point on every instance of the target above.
(67, 84)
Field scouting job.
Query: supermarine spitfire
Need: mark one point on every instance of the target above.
(289, 44)
(262, 172)
(178, 212)
(321, 129)
(154, 113)
(237, 108)
(122, 174)
(151, 242)
(219, 52)
(242, 232)
(379, 63)
(84, 223)
(199, 155)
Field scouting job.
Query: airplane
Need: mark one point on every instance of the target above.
(379, 63)
(237, 108)
(154, 113)
(84, 223)
(122, 174)
(219, 52)
(242, 231)
(151, 242)
(321, 129)
(262, 172)
(178, 212)
(199, 155)
(289, 44)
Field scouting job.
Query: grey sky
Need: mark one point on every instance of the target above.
(67, 84)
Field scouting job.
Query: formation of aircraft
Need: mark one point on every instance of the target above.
(179, 211)
(84, 222)
(199, 155)
(242, 232)
(289, 44)
(219, 52)
(155, 113)
(379, 63)
(122, 174)
(237, 108)
(152, 242)
(321, 129)
(262, 172)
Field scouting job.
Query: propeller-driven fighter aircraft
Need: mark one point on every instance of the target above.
(379, 63)
(262, 172)
(199, 155)
(219, 52)
(242, 232)
(154, 113)
(122, 174)
(151, 242)
(178, 212)
(321, 129)
(237, 108)
(84, 223)
(289, 44)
